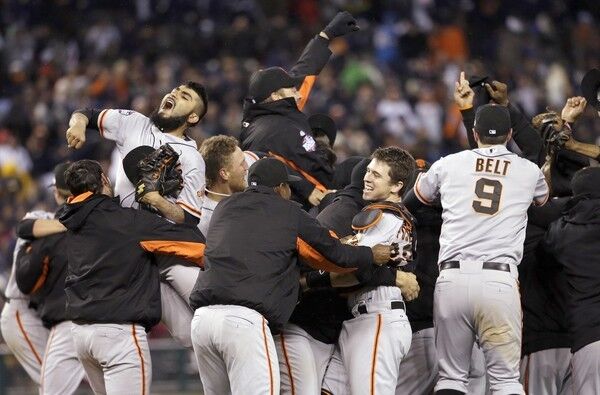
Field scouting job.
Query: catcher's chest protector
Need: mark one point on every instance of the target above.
(385, 223)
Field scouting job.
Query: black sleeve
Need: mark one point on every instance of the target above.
(190, 219)
(529, 141)
(25, 229)
(315, 56)
(32, 266)
(91, 114)
(543, 216)
(319, 249)
(468, 117)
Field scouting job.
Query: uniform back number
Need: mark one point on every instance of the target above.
(488, 194)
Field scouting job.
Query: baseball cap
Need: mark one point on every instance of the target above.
(60, 181)
(492, 120)
(324, 124)
(586, 181)
(131, 160)
(590, 87)
(266, 81)
(269, 172)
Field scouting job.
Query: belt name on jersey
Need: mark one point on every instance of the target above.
(492, 166)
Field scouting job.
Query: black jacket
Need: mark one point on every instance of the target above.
(429, 225)
(574, 241)
(543, 285)
(280, 129)
(111, 276)
(41, 273)
(253, 246)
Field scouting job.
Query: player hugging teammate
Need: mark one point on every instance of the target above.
(288, 274)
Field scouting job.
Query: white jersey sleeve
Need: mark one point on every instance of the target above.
(117, 125)
(190, 198)
(542, 192)
(427, 186)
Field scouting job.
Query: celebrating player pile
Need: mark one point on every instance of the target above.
(284, 272)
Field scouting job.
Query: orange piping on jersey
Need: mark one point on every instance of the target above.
(139, 350)
(29, 343)
(316, 260)
(42, 278)
(189, 208)
(79, 198)
(305, 89)
(304, 174)
(288, 364)
(268, 358)
(190, 250)
(375, 222)
(374, 357)
(101, 121)
(418, 193)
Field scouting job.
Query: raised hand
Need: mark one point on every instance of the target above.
(573, 108)
(463, 94)
(498, 92)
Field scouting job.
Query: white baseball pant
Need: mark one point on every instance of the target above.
(25, 336)
(374, 343)
(235, 351)
(336, 380)
(419, 368)
(586, 370)
(177, 283)
(302, 361)
(547, 372)
(61, 371)
(116, 357)
(471, 301)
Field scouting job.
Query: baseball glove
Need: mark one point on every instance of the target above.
(159, 172)
(554, 131)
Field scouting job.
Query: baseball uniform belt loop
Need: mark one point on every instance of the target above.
(364, 308)
(503, 267)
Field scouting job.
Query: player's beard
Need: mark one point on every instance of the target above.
(167, 124)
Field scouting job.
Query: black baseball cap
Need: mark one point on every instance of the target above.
(590, 87)
(269, 172)
(324, 124)
(266, 81)
(131, 160)
(492, 120)
(60, 181)
(586, 182)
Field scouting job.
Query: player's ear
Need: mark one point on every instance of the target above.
(475, 135)
(224, 174)
(193, 118)
(397, 187)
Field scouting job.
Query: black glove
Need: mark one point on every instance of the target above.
(343, 23)
(159, 172)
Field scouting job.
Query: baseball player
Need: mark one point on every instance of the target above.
(226, 173)
(41, 272)
(182, 108)
(112, 284)
(380, 334)
(485, 194)
(22, 328)
(250, 287)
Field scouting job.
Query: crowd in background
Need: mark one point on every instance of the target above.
(389, 84)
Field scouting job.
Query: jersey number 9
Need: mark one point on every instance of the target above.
(488, 193)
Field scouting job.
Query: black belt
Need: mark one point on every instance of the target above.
(396, 304)
(503, 267)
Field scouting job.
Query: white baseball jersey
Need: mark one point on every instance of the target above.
(130, 129)
(208, 206)
(485, 194)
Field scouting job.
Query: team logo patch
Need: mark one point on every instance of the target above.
(492, 131)
(125, 112)
(308, 142)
